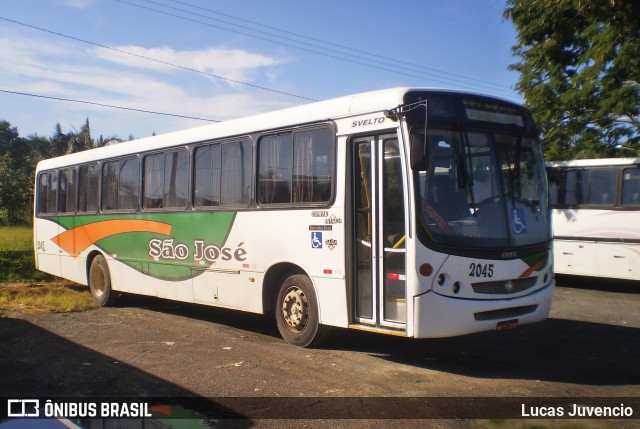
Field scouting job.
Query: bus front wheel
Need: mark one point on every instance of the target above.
(100, 282)
(297, 312)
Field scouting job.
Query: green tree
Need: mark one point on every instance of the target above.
(579, 73)
(18, 159)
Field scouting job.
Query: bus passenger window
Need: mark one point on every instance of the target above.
(67, 194)
(47, 193)
(165, 180)
(206, 187)
(120, 184)
(631, 187)
(313, 166)
(236, 173)
(88, 179)
(275, 169)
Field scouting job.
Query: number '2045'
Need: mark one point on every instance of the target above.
(480, 270)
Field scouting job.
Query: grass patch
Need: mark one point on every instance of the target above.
(14, 238)
(17, 263)
(19, 266)
(58, 297)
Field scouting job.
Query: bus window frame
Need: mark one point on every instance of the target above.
(331, 127)
(192, 176)
(143, 157)
(137, 156)
(617, 197)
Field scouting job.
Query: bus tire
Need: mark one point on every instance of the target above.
(297, 312)
(100, 282)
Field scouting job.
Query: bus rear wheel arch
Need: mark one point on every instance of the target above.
(296, 312)
(100, 282)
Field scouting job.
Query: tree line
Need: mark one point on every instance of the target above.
(579, 65)
(19, 157)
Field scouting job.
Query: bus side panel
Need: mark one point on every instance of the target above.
(124, 278)
(332, 301)
(47, 254)
(618, 260)
(604, 243)
(73, 268)
(575, 257)
(312, 240)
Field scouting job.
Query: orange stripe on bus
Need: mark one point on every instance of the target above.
(74, 241)
(531, 269)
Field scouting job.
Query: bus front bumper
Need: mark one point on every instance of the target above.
(439, 316)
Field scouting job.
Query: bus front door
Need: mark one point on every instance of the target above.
(379, 294)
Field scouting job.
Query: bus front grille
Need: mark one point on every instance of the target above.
(505, 313)
(505, 287)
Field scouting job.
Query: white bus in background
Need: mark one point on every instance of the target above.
(596, 217)
(412, 212)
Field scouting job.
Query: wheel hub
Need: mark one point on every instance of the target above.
(99, 282)
(295, 309)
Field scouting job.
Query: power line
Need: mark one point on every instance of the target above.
(106, 105)
(394, 60)
(355, 59)
(154, 59)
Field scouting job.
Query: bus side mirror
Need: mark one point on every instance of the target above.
(419, 153)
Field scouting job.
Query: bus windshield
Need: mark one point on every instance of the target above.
(481, 187)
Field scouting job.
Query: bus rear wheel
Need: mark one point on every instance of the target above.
(100, 282)
(297, 312)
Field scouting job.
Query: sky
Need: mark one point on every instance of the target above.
(190, 61)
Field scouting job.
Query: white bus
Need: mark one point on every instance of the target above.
(596, 207)
(413, 212)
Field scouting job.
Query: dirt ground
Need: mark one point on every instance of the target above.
(589, 347)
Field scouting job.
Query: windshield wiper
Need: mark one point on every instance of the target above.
(465, 174)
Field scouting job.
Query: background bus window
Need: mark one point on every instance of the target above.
(582, 187)
(602, 187)
(631, 187)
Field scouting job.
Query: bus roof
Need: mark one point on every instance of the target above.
(598, 162)
(351, 105)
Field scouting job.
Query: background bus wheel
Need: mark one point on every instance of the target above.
(100, 282)
(297, 312)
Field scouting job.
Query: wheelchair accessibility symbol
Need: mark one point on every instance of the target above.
(518, 221)
(316, 240)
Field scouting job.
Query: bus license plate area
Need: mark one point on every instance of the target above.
(507, 324)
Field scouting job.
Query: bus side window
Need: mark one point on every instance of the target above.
(67, 191)
(275, 169)
(236, 173)
(206, 181)
(165, 180)
(47, 193)
(120, 184)
(88, 179)
(631, 187)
